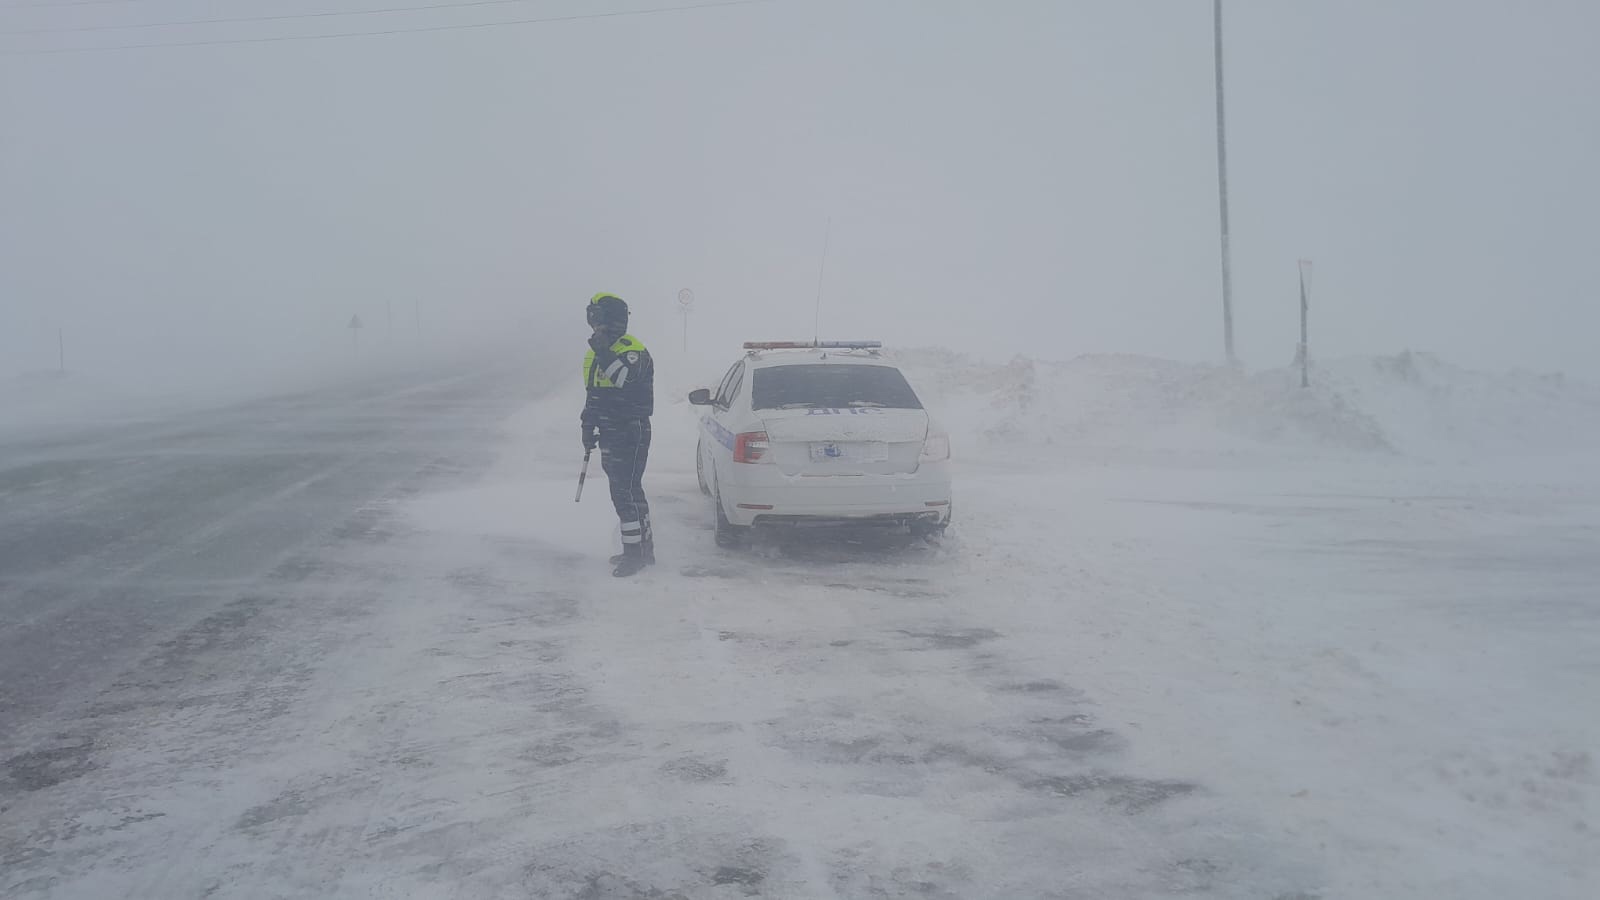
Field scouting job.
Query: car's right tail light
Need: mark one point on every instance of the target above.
(751, 447)
(936, 448)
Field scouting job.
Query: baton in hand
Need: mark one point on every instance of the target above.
(583, 476)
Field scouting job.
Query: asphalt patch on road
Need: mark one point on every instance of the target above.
(696, 769)
(953, 638)
(63, 759)
(1120, 792)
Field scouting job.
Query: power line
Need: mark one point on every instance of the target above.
(276, 18)
(49, 5)
(393, 31)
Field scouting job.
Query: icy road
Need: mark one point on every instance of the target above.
(361, 643)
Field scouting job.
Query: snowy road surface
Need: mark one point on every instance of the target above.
(111, 537)
(363, 644)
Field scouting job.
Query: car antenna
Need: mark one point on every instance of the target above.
(816, 330)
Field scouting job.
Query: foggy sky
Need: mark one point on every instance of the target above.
(1004, 177)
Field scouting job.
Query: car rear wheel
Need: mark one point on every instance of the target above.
(700, 468)
(729, 535)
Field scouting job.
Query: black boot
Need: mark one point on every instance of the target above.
(647, 545)
(632, 562)
(649, 556)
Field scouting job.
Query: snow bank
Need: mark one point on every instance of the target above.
(1432, 408)
(1413, 404)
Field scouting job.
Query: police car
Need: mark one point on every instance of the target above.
(820, 433)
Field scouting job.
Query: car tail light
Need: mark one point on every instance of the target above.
(936, 448)
(751, 447)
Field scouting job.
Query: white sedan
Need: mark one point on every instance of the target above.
(820, 433)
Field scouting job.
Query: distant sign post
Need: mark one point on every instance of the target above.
(355, 331)
(1305, 314)
(685, 306)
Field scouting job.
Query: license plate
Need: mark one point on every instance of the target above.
(854, 452)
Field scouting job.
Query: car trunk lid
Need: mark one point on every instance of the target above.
(854, 441)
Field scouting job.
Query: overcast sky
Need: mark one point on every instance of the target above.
(1004, 176)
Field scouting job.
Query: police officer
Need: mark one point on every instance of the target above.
(619, 378)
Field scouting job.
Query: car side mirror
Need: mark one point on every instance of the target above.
(702, 397)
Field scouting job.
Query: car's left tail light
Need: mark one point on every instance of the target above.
(936, 448)
(751, 447)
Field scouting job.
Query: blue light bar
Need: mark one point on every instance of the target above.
(813, 345)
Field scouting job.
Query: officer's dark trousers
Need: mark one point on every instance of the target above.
(624, 450)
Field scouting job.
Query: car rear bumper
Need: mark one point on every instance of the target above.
(884, 520)
(766, 496)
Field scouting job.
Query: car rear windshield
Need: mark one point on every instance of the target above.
(831, 387)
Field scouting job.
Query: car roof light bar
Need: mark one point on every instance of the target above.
(813, 345)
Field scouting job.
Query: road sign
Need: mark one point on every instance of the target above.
(685, 305)
(355, 321)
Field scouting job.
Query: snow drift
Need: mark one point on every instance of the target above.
(1411, 403)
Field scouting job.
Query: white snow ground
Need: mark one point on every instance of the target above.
(1195, 633)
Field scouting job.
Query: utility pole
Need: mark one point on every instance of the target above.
(61, 345)
(1222, 191)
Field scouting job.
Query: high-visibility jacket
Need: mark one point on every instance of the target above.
(619, 382)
